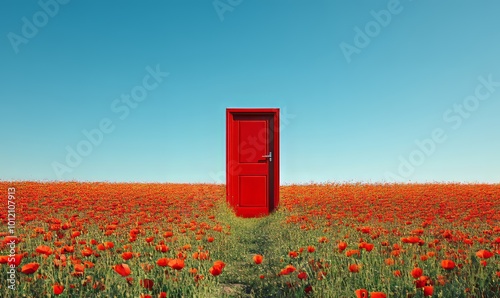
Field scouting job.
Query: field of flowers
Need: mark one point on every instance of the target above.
(181, 240)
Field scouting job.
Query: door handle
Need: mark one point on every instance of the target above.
(270, 156)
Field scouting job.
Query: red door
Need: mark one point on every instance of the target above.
(252, 160)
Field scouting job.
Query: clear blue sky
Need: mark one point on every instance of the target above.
(356, 102)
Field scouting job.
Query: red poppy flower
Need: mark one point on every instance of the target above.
(428, 290)
(30, 268)
(322, 239)
(58, 289)
(342, 246)
(258, 259)
(366, 246)
(215, 270)
(122, 269)
(378, 295)
(79, 267)
(352, 252)
(43, 249)
(308, 289)
(361, 293)
(417, 272)
(484, 254)
(162, 248)
(147, 283)
(447, 264)
(68, 248)
(176, 264)
(287, 270)
(354, 268)
(302, 275)
(127, 255)
(12, 260)
(162, 262)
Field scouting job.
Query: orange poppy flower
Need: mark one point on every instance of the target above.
(484, 254)
(43, 249)
(352, 252)
(79, 267)
(258, 259)
(287, 270)
(176, 264)
(342, 246)
(322, 239)
(68, 248)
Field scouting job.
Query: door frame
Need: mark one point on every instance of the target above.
(232, 171)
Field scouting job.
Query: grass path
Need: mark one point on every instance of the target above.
(250, 236)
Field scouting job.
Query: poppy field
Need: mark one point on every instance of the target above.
(181, 240)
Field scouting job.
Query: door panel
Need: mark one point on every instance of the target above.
(253, 138)
(253, 191)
